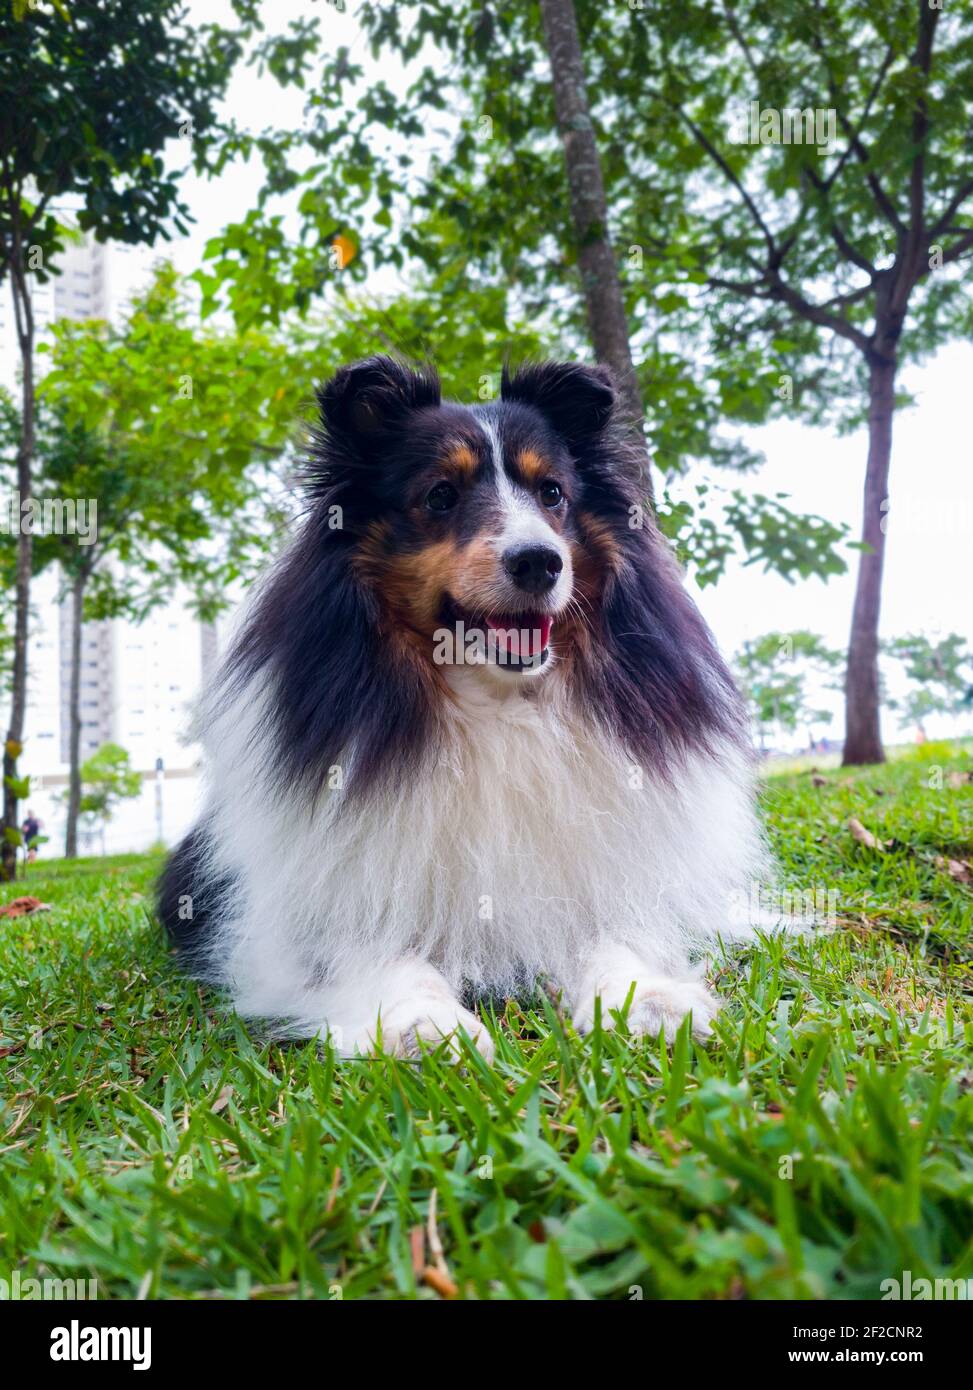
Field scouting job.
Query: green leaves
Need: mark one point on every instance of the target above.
(84, 124)
(774, 670)
(20, 786)
(174, 430)
(941, 671)
(107, 779)
(762, 528)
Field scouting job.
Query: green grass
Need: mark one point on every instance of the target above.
(818, 1145)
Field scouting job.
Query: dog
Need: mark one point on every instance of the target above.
(472, 732)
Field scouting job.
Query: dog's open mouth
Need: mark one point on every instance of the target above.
(521, 636)
(514, 641)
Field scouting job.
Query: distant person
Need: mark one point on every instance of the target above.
(30, 829)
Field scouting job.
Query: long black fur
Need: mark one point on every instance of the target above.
(190, 902)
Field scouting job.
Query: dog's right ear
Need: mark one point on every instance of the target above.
(364, 401)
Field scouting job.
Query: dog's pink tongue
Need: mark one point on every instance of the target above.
(523, 636)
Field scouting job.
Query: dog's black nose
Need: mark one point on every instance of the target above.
(533, 568)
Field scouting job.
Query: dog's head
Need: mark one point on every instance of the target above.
(508, 537)
(474, 526)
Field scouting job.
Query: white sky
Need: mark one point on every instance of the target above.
(929, 563)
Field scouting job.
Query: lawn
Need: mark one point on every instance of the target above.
(818, 1145)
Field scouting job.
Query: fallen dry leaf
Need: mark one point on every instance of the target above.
(20, 907)
(956, 868)
(442, 1283)
(222, 1100)
(863, 836)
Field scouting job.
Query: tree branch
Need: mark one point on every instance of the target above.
(772, 287)
(912, 257)
(705, 143)
(850, 252)
(855, 142)
(866, 112)
(964, 244)
(942, 224)
(818, 314)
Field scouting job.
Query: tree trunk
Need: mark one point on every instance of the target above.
(863, 733)
(74, 716)
(23, 314)
(601, 286)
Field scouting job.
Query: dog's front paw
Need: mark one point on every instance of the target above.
(425, 1023)
(665, 1003)
(657, 1002)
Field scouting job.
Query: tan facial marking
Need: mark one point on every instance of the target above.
(411, 587)
(600, 543)
(462, 459)
(407, 587)
(532, 467)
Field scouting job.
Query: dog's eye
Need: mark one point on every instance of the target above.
(442, 497)
(550, 493)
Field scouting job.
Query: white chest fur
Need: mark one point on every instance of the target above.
(529, 841)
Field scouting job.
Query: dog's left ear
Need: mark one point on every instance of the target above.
(578, 402)
(365, 400)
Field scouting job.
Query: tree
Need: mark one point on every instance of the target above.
(80, 125)
(171, 431)
(941, 671)
(837, 212)
(600, 282)
(773, 671)
(492, 210)
(107, 779)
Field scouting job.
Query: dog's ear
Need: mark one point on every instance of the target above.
(366, 399)
(577, 402)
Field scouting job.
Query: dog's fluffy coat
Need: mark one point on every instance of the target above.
(383, 832)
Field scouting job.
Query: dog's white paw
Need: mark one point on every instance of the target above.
(666, 1003)
(657, 1002)
(427, 1022)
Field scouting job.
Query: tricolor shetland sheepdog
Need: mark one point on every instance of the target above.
(472, 732)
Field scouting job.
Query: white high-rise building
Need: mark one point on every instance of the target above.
(137, 680)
